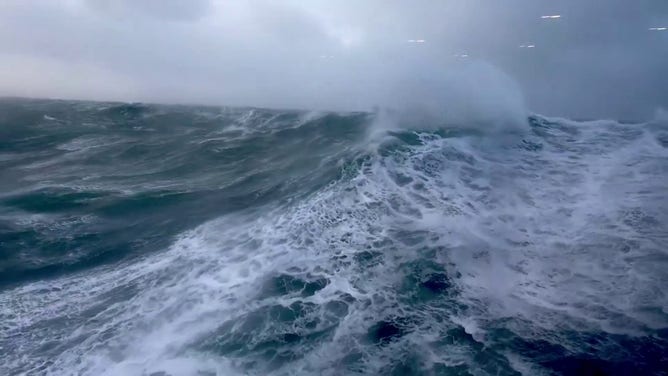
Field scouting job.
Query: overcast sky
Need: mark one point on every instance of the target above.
(599, 59)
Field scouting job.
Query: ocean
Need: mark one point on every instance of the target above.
(140, 239)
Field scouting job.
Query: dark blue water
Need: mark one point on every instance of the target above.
(169, 240)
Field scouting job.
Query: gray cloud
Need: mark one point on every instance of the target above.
(171, 10)
(598, 60)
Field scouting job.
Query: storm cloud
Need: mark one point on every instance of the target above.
(600, 58)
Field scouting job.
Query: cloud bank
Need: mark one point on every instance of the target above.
(599, 59)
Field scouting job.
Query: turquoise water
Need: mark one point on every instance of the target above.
(171, 240)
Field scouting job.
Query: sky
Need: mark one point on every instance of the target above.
(599, 59)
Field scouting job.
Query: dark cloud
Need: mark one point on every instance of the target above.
(598, 60)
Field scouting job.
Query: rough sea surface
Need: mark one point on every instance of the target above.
(170, 240)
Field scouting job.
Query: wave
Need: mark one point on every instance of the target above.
(295, 248)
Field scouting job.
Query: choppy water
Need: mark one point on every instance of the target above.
(158, 240)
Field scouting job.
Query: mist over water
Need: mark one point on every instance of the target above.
(170, 240)
(471, 95)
